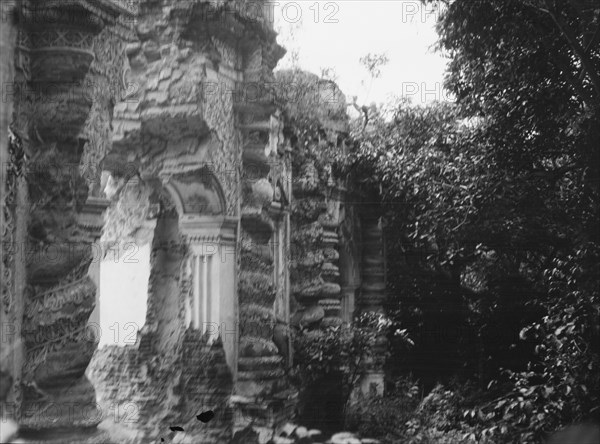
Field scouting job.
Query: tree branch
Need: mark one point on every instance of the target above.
(586, 62)
(595, 39)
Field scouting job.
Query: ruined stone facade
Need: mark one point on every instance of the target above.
(337, 257)
(143, 133)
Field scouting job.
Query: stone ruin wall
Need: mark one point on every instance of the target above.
(189, 119)
(140, 104)
(337, 247)
(326, 212)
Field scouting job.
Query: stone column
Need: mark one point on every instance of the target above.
(63, 119)
(372, 290)
(350, 259)
(264, 342)
(316, 241)
(331, 294)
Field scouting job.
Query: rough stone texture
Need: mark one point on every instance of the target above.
(372, 291)
(146, 391)
(263, 393)
(63, 96)
(316, 122)
(188, 130)
(170, 375)
(169, 124)
(338, 260)
(13, 198)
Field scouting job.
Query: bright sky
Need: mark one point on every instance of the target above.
(344, 31)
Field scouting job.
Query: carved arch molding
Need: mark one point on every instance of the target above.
(197, 193)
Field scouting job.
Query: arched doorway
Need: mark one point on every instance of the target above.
(180, 309)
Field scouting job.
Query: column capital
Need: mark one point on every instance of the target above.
(198, 229)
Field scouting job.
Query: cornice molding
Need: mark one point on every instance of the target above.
(218, 229)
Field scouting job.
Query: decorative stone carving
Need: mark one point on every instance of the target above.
(199, 193)
(262, 192)
(316, 212)
(263, 278)
(58, 44)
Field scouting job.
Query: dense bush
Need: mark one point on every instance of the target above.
(329, 363)
(402, 415)
(492, 206)
(509, 292)
(384, 417)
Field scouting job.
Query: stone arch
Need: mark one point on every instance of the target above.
(185, 212)
(197, 192)
(176, 224)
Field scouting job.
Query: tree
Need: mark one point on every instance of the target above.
(329, 363)
(493, 206)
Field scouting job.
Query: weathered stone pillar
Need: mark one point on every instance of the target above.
(373, 290)
(350, 257)
(316, 118)
(331, 295)
(261, 389)
(69, 76)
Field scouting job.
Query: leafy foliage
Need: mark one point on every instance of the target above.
(492, 205)
(385, 417)
(344, 349)
(329, 362)
(403, 415)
